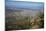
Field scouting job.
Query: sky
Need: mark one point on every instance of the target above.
(26, 5)
(29, 0)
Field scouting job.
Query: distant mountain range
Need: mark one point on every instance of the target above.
(23, 8)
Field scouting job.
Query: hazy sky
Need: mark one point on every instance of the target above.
(29, 0)
(25, 5)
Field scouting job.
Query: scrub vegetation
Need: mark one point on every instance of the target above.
(24, 22)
